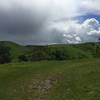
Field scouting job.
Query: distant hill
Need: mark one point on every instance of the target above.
(53, 52)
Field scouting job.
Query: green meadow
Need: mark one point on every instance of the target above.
(51, 80)
(51, 72)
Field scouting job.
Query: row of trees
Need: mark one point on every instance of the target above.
(41, 55)
(50, 53)
(36, 55)
(62, 52)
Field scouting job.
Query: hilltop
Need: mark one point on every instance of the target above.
(52, 52)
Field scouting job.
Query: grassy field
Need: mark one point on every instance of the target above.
(51, 80)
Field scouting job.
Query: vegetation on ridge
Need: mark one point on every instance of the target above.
(51, 52)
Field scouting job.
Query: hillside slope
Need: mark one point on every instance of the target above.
(54, 52)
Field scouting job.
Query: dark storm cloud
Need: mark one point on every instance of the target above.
(46, 21)
(19, 21)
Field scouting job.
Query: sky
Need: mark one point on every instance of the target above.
(50, 21)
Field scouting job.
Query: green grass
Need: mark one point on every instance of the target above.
(51, 80)
(87, 50)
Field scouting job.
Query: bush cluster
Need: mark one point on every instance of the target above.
(5, 56)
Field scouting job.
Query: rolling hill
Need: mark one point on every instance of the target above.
(72, 72)
(53, 52)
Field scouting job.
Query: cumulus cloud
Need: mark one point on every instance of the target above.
(48, 21)
(25, 19)
(91, 6)
(75, 32)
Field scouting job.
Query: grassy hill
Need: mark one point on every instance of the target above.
(51, 80)
(53, 52)
(66, 72)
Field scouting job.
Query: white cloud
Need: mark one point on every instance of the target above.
(54, 9)
(90, 6)
(74, 32)
(48, 21)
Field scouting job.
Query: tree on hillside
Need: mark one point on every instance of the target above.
(39, 55)
(59, 55)
(4, 54)
(23, 58)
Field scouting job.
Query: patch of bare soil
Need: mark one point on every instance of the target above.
(41, 88)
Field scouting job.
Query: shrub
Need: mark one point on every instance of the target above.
(23, 58)
(5, 56)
